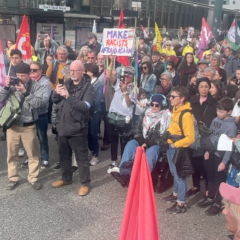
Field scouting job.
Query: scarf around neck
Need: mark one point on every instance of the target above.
(151, 120)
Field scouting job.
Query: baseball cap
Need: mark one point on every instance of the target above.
(230, 193)
(92, 35)
(129, 70)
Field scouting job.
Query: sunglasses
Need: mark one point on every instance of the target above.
(173, 97)
(155, 104)
(170, 69)
(127, 75)
(34, 70)
(91, 57)
(144, 68)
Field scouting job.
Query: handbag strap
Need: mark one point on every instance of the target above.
(180, 120)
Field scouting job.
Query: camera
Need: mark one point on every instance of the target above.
(14, 81)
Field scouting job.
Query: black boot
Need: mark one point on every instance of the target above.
(213, 210)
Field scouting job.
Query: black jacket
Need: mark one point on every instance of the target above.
(71, 53)
(95, 48)
(197, 109)
(73, 112)
(158, 69)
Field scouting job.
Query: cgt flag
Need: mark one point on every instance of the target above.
(140, 215)
(23, 41)
(233, 36)
(206, 36)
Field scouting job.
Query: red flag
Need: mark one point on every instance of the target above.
(123, 60)
(140, 215)
(23, 41)
(120, 23)
(144, 32)
(206, 36)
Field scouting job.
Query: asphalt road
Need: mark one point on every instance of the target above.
(60, 214)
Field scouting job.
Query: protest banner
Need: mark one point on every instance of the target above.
(118, 42)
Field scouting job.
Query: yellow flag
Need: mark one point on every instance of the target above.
(158, 38)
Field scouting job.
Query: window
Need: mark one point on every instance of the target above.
(85, 2)
(226, 2)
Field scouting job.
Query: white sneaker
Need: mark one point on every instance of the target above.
(21, 152)
(111, 167)
(115, 169)
(94, 161)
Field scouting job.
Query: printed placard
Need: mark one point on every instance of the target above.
(118, 41)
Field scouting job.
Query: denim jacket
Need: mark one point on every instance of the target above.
(149, 85)
(98, 88)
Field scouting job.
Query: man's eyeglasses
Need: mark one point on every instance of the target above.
(155, 104)
(75, 71)
(144, 68)
(163, 79)
(173, 97)
(34, 69)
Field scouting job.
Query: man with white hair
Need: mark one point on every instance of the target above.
(71, 53)
(55, 69)
(74, 100)
(209, 72)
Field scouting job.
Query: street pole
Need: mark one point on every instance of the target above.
(217, 16)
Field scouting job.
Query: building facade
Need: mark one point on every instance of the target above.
(74, 18)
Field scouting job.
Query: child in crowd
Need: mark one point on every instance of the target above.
(217, 161)
(141, 104)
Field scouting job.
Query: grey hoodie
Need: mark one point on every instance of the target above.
(47, 90)
(226, 126)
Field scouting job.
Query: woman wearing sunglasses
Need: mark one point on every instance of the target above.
(167, 50)
(179, 139)
(147, 133)
(148, 80)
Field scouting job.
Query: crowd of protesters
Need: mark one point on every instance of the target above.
(179, 104)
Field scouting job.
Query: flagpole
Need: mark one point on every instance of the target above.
(9, 68)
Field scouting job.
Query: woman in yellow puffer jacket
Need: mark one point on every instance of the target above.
(178, 98)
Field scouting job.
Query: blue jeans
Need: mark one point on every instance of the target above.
(152, 153)
(42, 127)
(93, 134)
(180, 184)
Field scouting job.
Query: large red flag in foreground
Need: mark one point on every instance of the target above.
(121, 59)
(206, 36)
(140, 215)
(23, 41)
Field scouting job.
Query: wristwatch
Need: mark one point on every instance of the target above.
(126, 93)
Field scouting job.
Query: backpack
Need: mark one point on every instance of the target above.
(196, 144)
(11, 112)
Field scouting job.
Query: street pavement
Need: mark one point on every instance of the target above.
(60, 214)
